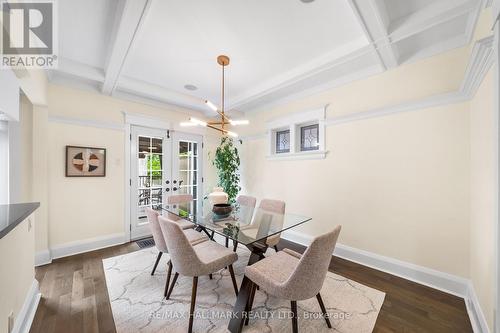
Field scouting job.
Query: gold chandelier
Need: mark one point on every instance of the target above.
(225, 121)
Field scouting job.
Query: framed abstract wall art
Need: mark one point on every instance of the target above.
(85, 162)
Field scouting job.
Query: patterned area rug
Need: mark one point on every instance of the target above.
(138, 304)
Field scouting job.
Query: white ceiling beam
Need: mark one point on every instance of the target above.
(128, 21)
(374, 21)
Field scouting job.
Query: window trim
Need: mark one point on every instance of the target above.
(294, 122)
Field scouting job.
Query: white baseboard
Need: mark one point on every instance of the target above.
(435, 279)
(43, 258)
(448, 283)
(476, 315)
(25, 316)
(87, 245)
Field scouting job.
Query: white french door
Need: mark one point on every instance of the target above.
(187, 163)
(162, 163)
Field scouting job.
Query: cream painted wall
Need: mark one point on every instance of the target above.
(20, 265)
(483, 188)
(440, 74)
(27, 149)
(400, 183)
(21, 153)
(88, 105)
(40, 177)
(399, 186)
(86, 208)
(34, 84)
(81, 208)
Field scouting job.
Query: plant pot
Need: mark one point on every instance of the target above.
(222, 210)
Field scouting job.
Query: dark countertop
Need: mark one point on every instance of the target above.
(13, 214)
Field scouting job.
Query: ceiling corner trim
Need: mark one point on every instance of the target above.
(481, 60)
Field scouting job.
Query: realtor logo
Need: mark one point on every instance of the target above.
(28, 36)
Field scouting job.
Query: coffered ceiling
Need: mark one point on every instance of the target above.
(150, 50)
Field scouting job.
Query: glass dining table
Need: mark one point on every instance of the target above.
(245, 225)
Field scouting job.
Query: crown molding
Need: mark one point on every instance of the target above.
(480, 62)
(433, 15)
(385, 48)
(78, 70)
(304, 89)
(339, 56)
(379, 49)
(145, 90)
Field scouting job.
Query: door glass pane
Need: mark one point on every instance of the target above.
(144, 143)
(187, 178)
(194, 191)
(156, 197)
(149, 175)
(144, 198)
(156, 179)
(188, 163)
(157, 145)
(183, 148)
(183, 163)
(154, 163)
(195, 148)
(141, 215)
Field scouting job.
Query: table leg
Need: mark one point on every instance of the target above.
(206, 232)
(241, 305)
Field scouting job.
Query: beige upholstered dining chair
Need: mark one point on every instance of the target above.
(243, 200)
(273, 206)
(194, 261)
(295, 277)
(180, 199)
(193, 237)
(246, 200)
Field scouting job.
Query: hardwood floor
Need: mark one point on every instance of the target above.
(75, 297)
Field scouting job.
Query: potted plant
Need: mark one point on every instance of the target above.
(227, 163)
